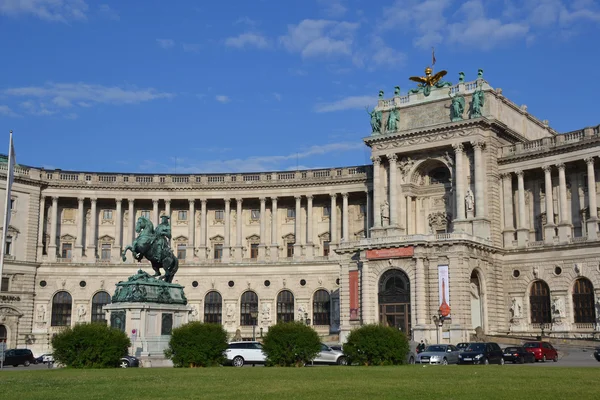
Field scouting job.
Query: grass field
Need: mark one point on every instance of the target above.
(329, 383)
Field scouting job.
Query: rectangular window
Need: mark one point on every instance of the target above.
(326, 211)
(218, 251)
(12, 204)
(145, 214)
(254, 250)
(181, 247)
(290, 249)
(182, 215)
(4, 287)
(67, 250)
(219, 215)
(9, 246)
(291, 213)
(107, 214)
(325, 249)
(105, 253)
(255, 215)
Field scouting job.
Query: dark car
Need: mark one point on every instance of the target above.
(16, 357)
(597, 354)
(542, 351)
(482, 353)
(129, 361)
(462, 346)
(518, 355)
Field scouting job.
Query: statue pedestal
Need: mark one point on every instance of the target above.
(147, 310)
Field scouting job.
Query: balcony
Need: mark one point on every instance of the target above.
(407, 239)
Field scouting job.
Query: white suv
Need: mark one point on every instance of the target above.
(240, 353)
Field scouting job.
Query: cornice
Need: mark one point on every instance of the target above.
(550, 151)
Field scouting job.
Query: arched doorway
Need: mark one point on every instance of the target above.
(394, 300)
(476, 301)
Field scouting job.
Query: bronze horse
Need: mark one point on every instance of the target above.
(147, 245)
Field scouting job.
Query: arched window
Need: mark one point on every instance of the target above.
(99, 300)
(539, 303)
(249, 308)
(61, 309)
(213, 308)
(285, 306)
(583, 301)
(321, 307)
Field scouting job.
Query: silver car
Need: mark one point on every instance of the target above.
(443, 354)
(330, 356)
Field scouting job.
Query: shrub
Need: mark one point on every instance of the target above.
(197, 345)
(376, 345)
(291, 344)
(93, 345)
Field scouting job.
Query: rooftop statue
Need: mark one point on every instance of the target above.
(393, 119)
(376, 117)
(425, 83)
(457, 108)
(477, 102)
(153, 244)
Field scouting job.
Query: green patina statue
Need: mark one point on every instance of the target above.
(461, 77)
(477, 102)
(393, 119)
(153, 245)
(376, 117)
(457, 107)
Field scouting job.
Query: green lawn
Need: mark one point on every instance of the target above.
(328, 383)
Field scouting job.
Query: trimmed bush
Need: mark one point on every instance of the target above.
(93, 345)
(197, 345)
(291, 344)
(376, 345)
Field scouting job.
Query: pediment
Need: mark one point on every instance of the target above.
(325, 236)
(11, 230)
(289, 236)
(217, 238)
(181, 238)
(106, 238)
(10, 312)
(253, 238)
(67, 238)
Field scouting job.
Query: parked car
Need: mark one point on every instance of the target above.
(518, 355)
(462, 346)
(542, 351)
(597, 354)
(40, 359)
(482, 353)
(48, 358)
(16, 357)
(330, 356)
(443, 354)
(129, 362)
(240, 353)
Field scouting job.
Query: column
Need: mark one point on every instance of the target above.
(298, 228)
(238, 226)
(333, 237)
(368, 213)
(460, 181)
(410, 228)
(550, 227)
(310, 252)
(227, 241)
(53, 229)
(91, 241)
(376, 193)
(592, 222)
(274, 224)
(564, 224)
(131, 222)
(203, 232)
(155, 220)
(393, 158)
(345, 219)
(80, 222)
(420, 292)
(522, 228)
(40, 250)
(190, 250)
(168, 208)
(262, 244)
(480, 209)
(509, 228)
(116, 251)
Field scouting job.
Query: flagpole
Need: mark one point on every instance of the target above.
(9, 178)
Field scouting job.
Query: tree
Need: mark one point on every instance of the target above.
(376, 345)
(291, 344)
(94, 345)
(197, 345)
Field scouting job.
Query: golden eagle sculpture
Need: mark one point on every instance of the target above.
(428, 79)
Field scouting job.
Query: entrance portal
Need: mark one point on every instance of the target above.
(394, 300)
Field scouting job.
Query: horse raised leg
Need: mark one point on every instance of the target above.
(130, 248)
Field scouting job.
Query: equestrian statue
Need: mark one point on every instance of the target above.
(153, 244)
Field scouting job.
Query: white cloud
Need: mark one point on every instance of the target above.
(190, 47)
(333, 8)
(312, 38)
(221, 98)
(246, 20)
(248, 39)
(347, 103)
(165, 43)
(107, 12)
(48, 10)
(378, 54)
(7, 112)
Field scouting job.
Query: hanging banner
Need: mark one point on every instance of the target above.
(444, 290)
(353, 277)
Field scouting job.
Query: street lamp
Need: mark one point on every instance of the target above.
(254, 315)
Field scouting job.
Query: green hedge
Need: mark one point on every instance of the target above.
(291, 344)
(93, 345)
(197, 345)
(376, 345)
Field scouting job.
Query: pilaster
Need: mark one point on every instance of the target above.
(189, 254)
(509, 228)
(550, 227)
(274, 250)
(592, 222)
(80, 222)
(522, 228)
(564, 224)
(116, 250)
(227, 241)
(239, 245)
(91, 249)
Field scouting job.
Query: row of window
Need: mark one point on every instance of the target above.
(584, 310)
(62, 303)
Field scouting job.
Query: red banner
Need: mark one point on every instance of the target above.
(390, 253)
(353, 275)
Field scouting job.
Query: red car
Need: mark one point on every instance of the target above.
(542, 351)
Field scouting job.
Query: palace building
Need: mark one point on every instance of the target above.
(470, 202)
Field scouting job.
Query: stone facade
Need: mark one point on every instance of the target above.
(500, 201)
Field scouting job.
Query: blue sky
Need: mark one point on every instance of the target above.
(206, 86)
